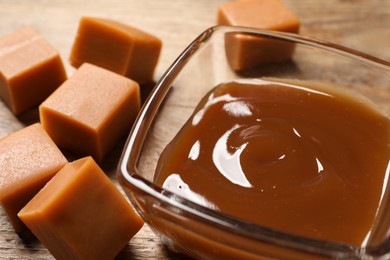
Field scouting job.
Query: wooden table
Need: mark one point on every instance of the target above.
(360, 24)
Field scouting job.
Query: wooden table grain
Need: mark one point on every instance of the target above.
(360, 24)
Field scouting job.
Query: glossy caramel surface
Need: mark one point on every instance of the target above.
(306, 159)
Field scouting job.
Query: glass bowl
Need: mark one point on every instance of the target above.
(209, 60)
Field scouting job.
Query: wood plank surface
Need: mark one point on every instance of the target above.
(360, 24)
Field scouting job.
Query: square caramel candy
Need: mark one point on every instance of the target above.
(80, 214)
(30, 69)
(28, 160)
(117, 47)
(91, 111)
(246, 51)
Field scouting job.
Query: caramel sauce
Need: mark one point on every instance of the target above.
(306, 159)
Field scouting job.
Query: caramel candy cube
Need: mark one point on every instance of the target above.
(246, 51)
(116, 47)
(91, 111)
(28, 160)
(80, 214)
(30, 69)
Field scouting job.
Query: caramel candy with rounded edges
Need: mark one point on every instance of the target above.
(30, 69)
(246, 51)
(28, 159)
(80, 214)
(91, 111)
(117, 47)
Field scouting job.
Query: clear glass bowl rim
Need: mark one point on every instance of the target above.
(127, 167)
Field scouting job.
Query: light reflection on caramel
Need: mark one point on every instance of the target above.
(309, 160)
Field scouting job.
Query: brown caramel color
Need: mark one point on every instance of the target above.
(246, 52)
(91, 111)
(308, 160)
(30, 69)
(28, 159)
(117, 47)
(80, 214)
